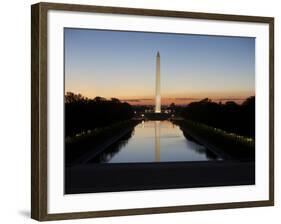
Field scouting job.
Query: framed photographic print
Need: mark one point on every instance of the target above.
(140, 111)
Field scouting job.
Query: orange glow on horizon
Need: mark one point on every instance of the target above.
(181, 101)
(178, 99)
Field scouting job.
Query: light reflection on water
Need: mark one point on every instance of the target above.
(155, 141)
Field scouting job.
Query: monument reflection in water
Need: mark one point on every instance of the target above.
(155, 141)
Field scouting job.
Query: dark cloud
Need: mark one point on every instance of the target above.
(135, 100)
(187, 98)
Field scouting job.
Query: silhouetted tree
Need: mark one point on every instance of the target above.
(115, 100)
(99, 99)
(82, 114)
(230, 116)
(72, 98)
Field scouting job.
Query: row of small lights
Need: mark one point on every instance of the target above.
(227, 133)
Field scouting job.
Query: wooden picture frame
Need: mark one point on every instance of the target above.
(39, 109)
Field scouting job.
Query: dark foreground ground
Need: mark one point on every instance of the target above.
(90, 178)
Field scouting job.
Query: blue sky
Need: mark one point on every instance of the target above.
(122, 64)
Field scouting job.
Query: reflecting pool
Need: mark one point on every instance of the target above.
(155, 141)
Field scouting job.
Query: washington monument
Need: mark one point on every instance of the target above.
(157, 89)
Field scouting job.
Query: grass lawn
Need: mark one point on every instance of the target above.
(238, 147)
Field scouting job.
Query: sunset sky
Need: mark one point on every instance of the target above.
(122, 64)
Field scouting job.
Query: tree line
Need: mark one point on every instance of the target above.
(83, 114)
(230, 116)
